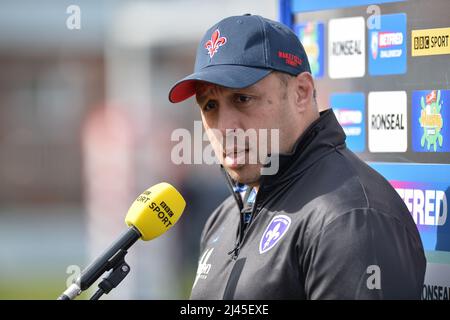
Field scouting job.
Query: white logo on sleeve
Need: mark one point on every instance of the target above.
(203, 266)
(274, 232)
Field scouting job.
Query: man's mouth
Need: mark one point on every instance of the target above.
(236, 158)
(234, 152)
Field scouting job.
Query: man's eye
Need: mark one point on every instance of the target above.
(210, 105)
(242, 99)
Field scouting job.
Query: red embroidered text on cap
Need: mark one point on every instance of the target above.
(290, 59)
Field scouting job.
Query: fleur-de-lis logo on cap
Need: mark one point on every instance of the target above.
(214, 43)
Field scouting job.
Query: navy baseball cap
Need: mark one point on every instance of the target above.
(239, 51)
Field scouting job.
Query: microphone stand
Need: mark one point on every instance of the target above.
(112, 259)
(120, 269)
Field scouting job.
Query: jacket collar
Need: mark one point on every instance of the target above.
(323, 136)
(320, 138)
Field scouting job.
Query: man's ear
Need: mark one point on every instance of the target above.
(304, 91)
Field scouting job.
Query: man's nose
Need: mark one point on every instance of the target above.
(228, 119)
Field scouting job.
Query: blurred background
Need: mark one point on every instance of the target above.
(85, 127)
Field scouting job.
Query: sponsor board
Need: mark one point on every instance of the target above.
(437, 282)
(346, 48)
(425, 189)
(387, 46)
(349, 109)
(387, 121)
(314, 5)
(427, 42)
(311, 35)
(429, 121)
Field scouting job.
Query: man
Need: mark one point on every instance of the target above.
(325, 225)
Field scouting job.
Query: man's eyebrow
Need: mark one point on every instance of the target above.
(203, 92)
(200, 98)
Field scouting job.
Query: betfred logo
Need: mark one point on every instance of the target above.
(387, 121)
(346, 48)
(390, 39)
(428, 207)
(425, 189)
(349, 109)
(349, 117)
(428, 204)
(388, 46)
(386, 40)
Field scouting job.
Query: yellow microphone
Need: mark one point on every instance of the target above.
(155, 211)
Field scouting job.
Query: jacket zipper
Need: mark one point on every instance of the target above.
(246, 218)
(243, 224)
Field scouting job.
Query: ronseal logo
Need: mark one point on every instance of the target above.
(387, 121)
(427, 42)
(346, 48)
(437, 282)
(349, 109)
(388, 46)
(390, 121)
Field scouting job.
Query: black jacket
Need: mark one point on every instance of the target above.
(340, 232)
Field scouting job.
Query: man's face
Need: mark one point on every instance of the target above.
(227, 113)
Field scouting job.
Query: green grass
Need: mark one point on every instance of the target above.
(41, 289)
